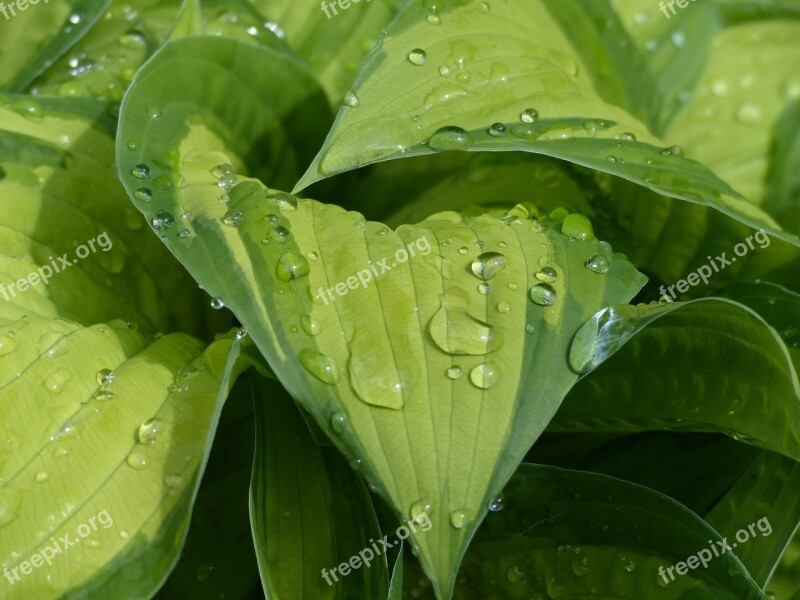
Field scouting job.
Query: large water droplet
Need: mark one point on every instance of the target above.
(450, 138)
(457, 332)
(546, 274)
(543, 294)
(485, 375)
(321, 366)
(285, 202)
(150, 430)
(163, 220)
(487, 265)
(292, 266)
(597, 264)
(578, 227)
(417, 57)
(141, 171)
(232, 218)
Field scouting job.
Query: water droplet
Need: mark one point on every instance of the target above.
(610, 158)
(172, 480)
(143, 195)
(497, 130)
(162, 220)
(309, 325)
(678, 38)
(285, 202)
(338, 422)
(141, 171)
(444, 71)
(150, 430)
(458, 519)
(137, 460)
(41, 477)
(217, 304)
(434, 19)
(232, 218)
(463, 250)
(421, 510)
(280, 234)
(529, 115)
(597, 264)
(455, 331)
(321, 366)
(484, 288)
(417, 57)
(627, 136)
(292, 266)
(454, 372)
(547, 274)
(351, 99)
(450, 138)
(485, 266)
(530, 328)
(749, 114)
(484, 376)
(672, 151)
(504, 308)
(52, 344)
(54, 383)
(576, 226)
(543, 294)
(496, 505)
(105, 377)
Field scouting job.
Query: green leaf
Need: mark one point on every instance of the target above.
(60, 194)
(396, 586)
(752, 397)
(35, 37)
(310, 511)
(569, 534)
(785, 582)
(141, 412)
(783, 191)
(752, 74)
(332, 40)
(219, 558)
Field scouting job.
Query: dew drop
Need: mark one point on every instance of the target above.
(143, 195)
(41, 477)
(530, 328)
(338, 422)
(309, 325)
(484, 376)
(529, 115)
(454, 372)
(285, 202)
(444, 71)
(421, 510)
(546, 274)
(672, 151)
(137, 460)
(321, 366)
(458, 518)
(543, 294)
(55, 383)
(504, 308)
(141, 171)
(417, 57)
(463, 250)
(232, 218)
(514, 574)
(628, 137)
(485, 266)
(496, 505)
(450, 138)
(351, 99)
(217, 304)
(292, 266)
(749, 114)
(576, 226)
(162, 220)
(105, 377)
(149, 431)
(497, 130)
(597, 264)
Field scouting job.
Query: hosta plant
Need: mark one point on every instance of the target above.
(424, 299)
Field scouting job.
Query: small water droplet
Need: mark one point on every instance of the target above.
(351, 99)
(321, 366)
(597, 264)
(105, 377)
(487, 265)
(338, 422)
(504, 308)
(150, 430)
(454, 372)
(7, 345)
(217, 303)
(143, 195)
(162, 220)
(417, 57)
(547, 274)
(41, 477)
(463, 250)
(611, 158)
(232, 218)
(543, 294)
(450, 138)
(280, 234)
(309, 325)
(529, 115)
(54, 383)
(141, 171)
(421, 510)
(485, 375)
(444, 71)
(434, 19)
(285, 202)
(497, 130)
(672, 151)
(496, 505)
(514, 574)
(627, 136)
(292, 266)
(137, 460)
(530, 328)
(458, 518)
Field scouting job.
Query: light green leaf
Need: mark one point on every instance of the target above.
(396, 586)
(369, 389)
(570, 534)
(141, 412)
(332, 40)
(37, 35)
(751, 76)
(783, 191)
(310, 512)
(753, 397)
